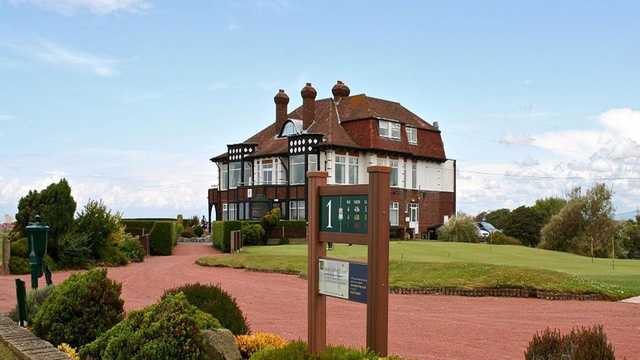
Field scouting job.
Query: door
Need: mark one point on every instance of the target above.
(414, 222)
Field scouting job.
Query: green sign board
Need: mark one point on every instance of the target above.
(344, 214)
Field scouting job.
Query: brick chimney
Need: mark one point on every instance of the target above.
(340, 90)
(281, 99)
(308, 105)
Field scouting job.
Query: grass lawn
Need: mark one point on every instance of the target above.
(425, 264)
(6, 354)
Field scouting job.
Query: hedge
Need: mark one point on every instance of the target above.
(162, 233)
(221, 234)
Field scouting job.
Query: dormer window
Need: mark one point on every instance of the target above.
(291, 127)
(412, 135)
(389, 129)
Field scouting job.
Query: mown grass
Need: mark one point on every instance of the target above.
(458, 265)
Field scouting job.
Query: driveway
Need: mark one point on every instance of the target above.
(421, 327)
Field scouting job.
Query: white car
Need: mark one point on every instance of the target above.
(485, 229)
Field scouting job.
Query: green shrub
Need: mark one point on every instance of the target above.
(525, 224)
(132, 248)
(580, 344)
(252, 234)
(98, 223)
(198, 230)
(20, 248)
(499, 238)
(297, 350)
(167, 330)
(459, 229)
(19, 265)
(75, 250)
(187, 232)
(162, 238)
(80, 309)
(112, 255)
(221, 234)
(217, 302)
(35, 298)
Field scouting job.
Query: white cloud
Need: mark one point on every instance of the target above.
(53, 53)
(98, 7)
(610, 154)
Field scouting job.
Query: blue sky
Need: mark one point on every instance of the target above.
(129, 98)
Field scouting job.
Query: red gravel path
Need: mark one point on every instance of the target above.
(422, 327)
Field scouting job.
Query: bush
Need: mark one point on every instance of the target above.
(198, 230)
(459, 229)
(80, 309)
(250, 344)
(56, 206)
(69, 350)
(35, 298)
(252, 234)
(580, 344)
(525, 224)
(98, 223)
(20, 248)
(162, 238)
(187, 232)
(132, 248)
(112, 255)
(19, 265)
(170, 329)
(179, 228)
(221, 234)
(75, 250)
(297, 350)
(217, 302)
(499, 238)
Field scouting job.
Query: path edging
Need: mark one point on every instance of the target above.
(25, 345)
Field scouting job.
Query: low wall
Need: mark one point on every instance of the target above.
(25, 345)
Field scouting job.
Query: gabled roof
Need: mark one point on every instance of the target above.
(329, 114)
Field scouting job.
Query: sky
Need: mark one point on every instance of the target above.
(128, 99)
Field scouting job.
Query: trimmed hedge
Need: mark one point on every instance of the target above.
(221, 234)
(162, 233)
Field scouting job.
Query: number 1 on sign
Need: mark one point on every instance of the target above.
(329, 217)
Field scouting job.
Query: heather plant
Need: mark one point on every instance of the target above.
(589, 343)
(461, 228)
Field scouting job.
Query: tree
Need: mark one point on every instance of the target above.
(55, 205)
(548, 207)
(525, 224)
(97, 222)
(498, 218)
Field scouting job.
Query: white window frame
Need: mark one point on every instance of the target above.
(412, 135)
(395, 162)
(389, 129)
(353, 169)
(341, 161)
(225, 212)
(224, 178)
(414, 174)
(414, 208)
(266, 168)
(296, 161)
(296, 210)
(234, 174)
(394, 214)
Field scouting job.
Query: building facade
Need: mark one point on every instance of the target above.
(342, 135)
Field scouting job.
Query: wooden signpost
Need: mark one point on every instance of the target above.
(349, 214)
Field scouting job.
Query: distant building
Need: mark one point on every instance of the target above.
(342, 135)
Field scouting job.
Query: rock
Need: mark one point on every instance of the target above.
(220, 344)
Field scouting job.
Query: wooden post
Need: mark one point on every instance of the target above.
(6, 254)
(378, 259)
(316, 304)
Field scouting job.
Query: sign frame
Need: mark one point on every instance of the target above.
(377, 240)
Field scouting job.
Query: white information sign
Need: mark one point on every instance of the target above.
(334, 278)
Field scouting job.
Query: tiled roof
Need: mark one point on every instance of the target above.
(330, 114)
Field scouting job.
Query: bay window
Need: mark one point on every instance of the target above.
(234, 174)
(353, 170)
(340, 169)
(296, 170)
(267, 172)
(224, 179)
(248, 171)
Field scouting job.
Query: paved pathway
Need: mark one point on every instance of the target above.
(421, 327)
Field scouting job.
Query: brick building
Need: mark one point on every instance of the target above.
(342, 135)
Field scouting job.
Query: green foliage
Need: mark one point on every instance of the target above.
(75, 250)
(253, 234)
(198, 230)
(584, 226)
(630, 238)
(98, 223)
(80, 309)
(216, 302)
(498, 218)
(459, 229)
(269, 221)
(179, 228)
(35, 299)
(548, 207)
(580, 344)
(167, 330)
(162, 238)
(112, 255)
(525, 224)
(19, 265)
(20, 248)
(55, 205)
(499, 238)
(297, 350)
(187, 232)
(132, 248)
(221, 234)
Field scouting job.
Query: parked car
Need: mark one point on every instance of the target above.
(485, 229)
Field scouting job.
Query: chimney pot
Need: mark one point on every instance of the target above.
(281, 99)
(308, 94)
(340, 90)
